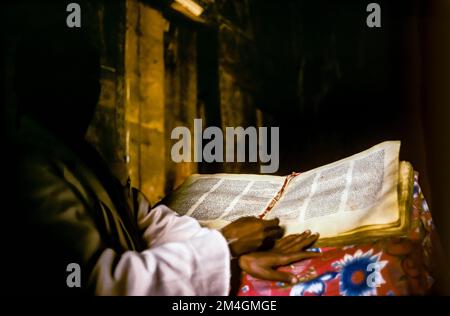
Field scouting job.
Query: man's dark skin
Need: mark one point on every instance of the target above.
(57, 82)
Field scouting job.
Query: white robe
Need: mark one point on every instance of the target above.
(182, 259)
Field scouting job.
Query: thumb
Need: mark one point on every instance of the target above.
(271, 222)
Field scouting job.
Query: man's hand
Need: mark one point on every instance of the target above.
(250, 233)
(295, 243)
(286, 251)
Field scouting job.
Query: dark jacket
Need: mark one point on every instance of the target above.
(67, 208)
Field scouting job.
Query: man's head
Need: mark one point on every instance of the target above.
(57, 80)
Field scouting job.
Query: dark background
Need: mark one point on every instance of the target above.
(313, 68)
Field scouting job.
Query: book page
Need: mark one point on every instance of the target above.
(216, 200)
(356, 191)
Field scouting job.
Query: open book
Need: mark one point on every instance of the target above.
(361, 197)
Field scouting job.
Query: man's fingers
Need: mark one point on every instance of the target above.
(307, 242)
(292, 243)
(274, 232)
(300, 243)
(283, 242)
(271, 222)
(274, 275)
(291, 258)
(269, 237)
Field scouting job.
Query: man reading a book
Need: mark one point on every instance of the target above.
(73, 210)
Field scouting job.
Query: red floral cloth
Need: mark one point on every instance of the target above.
(390, 266)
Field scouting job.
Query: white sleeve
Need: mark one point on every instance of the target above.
(161, 225)
(183, 259)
